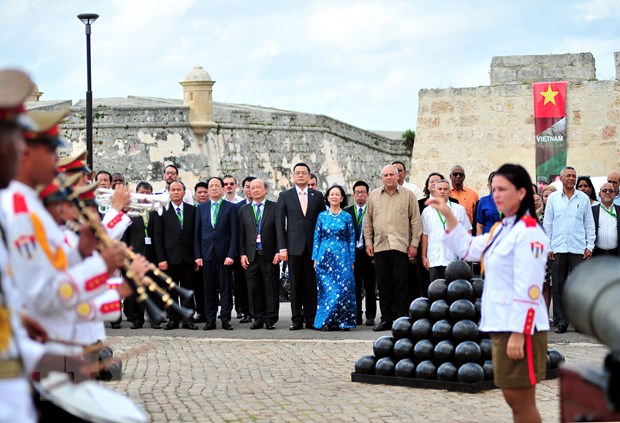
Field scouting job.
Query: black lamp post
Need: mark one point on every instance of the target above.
(88, 19)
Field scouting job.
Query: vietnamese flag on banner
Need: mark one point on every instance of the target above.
(550, 128)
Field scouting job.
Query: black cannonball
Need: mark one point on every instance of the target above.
(384, 366)
(488, 369)
(465, 330)
(401, 327)
(478, 305)
(439, 310)
(459, 289)
(405, 368)
(470, 373)
(423, 350)
(486, 346)
(383, 346)
(425, 370)
(442, 329)
(446, 372)
(443, 351)
(365, 365)
(458, 269)
(478, 285)
(421, 329)
(418, 308)
(437, 290)
(555, 358)
(462, 309)
(467, 351)
(403, 348)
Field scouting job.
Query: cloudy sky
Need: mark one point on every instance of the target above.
(359, 61)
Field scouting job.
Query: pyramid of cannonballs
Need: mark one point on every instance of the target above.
(439, 341)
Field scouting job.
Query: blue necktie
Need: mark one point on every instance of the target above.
(180, 216)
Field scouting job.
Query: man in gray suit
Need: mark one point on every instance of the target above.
(296, 213)
(259, 255)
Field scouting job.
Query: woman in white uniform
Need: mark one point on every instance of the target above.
(513, 254)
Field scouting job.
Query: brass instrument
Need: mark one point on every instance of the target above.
(142, 286)
(138, 203)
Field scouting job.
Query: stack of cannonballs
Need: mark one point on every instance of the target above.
(439, 341)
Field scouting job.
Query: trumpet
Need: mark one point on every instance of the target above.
(138, 203)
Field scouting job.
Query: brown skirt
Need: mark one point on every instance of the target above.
(519, 373)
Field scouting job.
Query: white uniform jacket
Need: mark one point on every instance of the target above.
(116, 223)
(49, 288)
(514, 258)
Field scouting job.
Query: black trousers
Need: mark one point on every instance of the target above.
(600, 252)
(303, 288)
(437, 272)
(264, 289)
(414, 290)
(241, 288)
(393, 283)
(199, 291)
(134, 311)
(365, 278)
(561, 266)
(183, 274)
(217, 276)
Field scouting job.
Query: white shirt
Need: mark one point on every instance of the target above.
(235, 200)
(413, 188)
(514, 263)
(433, 227)
(187, 198)
(607, 231)
(359, 242)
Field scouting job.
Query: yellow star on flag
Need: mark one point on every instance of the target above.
(549, 95)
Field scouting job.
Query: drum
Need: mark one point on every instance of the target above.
(88, 401)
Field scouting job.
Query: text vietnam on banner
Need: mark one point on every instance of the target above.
(550, 128)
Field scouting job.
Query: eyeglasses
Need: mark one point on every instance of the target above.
(607, 191)
(229, 184)
(400, 170)
(458, 175)
(359, 192)
(170, 173)
(300, 173)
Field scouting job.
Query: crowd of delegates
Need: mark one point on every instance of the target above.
(228, 248)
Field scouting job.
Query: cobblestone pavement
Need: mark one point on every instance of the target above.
(266, 376)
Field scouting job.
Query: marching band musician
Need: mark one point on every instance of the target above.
(49, 287)
(19, 354)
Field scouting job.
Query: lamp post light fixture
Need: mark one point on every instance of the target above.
(88, 19)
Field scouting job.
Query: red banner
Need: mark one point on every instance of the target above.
(550, 129)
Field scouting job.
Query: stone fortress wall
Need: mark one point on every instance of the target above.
(138, 136)
(483, 127)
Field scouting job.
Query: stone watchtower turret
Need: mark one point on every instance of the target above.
(198, 95)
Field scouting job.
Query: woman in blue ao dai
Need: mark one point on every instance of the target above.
(333, 254)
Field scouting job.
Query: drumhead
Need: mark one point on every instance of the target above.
(90, 401)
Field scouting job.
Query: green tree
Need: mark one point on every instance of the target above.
(409, 138)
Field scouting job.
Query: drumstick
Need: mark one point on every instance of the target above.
(97, 367)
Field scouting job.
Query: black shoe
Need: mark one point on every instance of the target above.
(270, 326)
(370, 322)
(200, 319)
(296, 326)
(382, 326)
(136, 325)
(226, 325)
(115, 325)
(310, 325)
(190, 325)
(209, 326)
(245, 319)
(256, 325)
(561, 329)
(156, 326)
(171, 325)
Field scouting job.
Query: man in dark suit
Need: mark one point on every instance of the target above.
(364, 270)
(140, 236)
(606, 223)
(215, 247)
(242, 306)
(174, 245)
(296, 213)
(259, 256)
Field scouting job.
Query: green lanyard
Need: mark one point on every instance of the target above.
(215, 213)
(611, 211)
(441, 218)
(359, 216)
(257, 216)
(179, 214)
